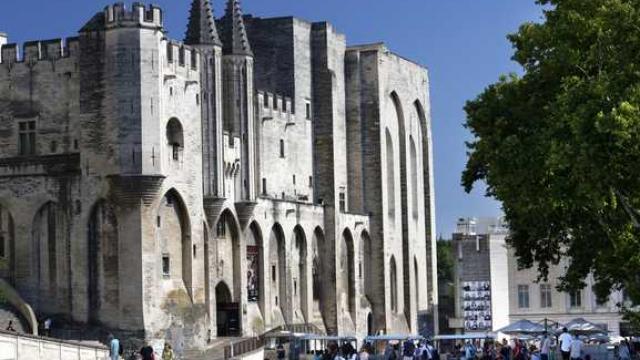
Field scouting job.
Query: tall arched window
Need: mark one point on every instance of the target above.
(391, 179)
(414, 179)
(175, 138)
(393, 274)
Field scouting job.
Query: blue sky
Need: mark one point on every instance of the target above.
(462, 42)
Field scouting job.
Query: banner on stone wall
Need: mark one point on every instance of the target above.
(476, 301)
(253, 273)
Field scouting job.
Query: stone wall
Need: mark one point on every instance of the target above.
(166, 179)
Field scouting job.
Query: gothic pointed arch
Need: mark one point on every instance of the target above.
(228, 272)
(425, 161)
(278, 273)
(51, 259)
(391, 182)
(104, 263)
(318, 291)
(7, 246)
(367, 271)
(227, 312)
(406, 241)
(393, 284)
(174, 236)
(255, 265)
(227, 234)
(300, 272)
(347, 269)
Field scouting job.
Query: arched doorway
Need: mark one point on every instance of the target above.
(347, 269)
(7, 246)
(227, 314)
(228, 270)
(300, 275)
(104, 267)
(277, 266)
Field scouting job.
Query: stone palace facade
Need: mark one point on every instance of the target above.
(258, 173)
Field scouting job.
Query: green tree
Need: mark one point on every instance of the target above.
(446, 300)
(559, 145)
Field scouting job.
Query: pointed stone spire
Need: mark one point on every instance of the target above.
(202, 28)
(234, 35)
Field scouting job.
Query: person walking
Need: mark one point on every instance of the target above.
(409, 350)
(623, 351)
(576, 348)
(364, 352)
(47, 327)
(565, 344)
(10, 326)
(114, 348)
(469, 351)
(167, 352)
(545, 347)
(280, 352)
(147, 352)
(505, 350)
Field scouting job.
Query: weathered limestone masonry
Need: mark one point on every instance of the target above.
(261, 173)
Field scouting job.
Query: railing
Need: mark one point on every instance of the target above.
(243, 347)
(249, 345)
(22, 346)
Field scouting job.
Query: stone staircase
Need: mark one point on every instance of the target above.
(215, 350)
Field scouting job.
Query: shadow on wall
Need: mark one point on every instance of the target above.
(10, 296)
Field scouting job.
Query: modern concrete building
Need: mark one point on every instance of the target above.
(481, 282)
(492, 292)
(261, 173)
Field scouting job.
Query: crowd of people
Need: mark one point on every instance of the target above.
(116, 351)
(409, 350)
(570, 347)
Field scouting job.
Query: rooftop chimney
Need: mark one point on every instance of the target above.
(3, 41)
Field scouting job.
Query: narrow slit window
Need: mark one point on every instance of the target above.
(166, 265)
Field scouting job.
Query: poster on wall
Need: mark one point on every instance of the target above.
(253, 274)
(476, 302)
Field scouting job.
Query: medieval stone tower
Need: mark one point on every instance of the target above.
(261, 173)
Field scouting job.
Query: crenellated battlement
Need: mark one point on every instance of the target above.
(270, 103)
(39, 50)
(177, 53)
(118, 15)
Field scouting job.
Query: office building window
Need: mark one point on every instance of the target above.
(523, 296)
(545, 296)
(27, 138)
(575, 299)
